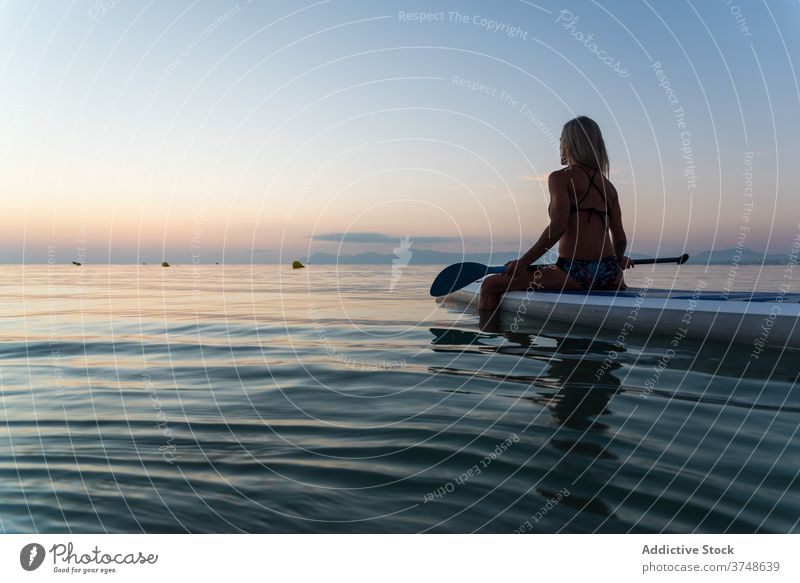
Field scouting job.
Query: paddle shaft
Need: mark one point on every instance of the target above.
(459, 275)
(679, 260)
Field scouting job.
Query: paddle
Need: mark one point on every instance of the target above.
(679, 260)
(458, 275)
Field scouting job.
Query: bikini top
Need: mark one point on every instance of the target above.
(576, 208)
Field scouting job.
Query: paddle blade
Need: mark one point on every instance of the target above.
(458, 275)
(683, 259)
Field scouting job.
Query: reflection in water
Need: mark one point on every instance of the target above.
(574, 388)
(582, 388)
(580, 398)
(628, 430)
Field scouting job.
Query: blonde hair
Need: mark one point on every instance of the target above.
(582, 143)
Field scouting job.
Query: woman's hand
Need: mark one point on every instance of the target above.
(626, 262)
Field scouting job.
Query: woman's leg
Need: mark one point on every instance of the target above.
(492, 288)
(544, 277)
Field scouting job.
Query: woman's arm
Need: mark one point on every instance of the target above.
(618, 233)
(559, 217)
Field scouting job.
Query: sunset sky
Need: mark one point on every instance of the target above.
(257, 131)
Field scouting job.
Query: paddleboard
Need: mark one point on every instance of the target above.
(755, 318)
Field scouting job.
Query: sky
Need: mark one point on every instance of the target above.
(258, 132)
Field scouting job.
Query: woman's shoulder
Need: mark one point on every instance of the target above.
(568, 172)
(563, 178)
(560, 175)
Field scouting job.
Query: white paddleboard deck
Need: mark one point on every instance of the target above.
(756, 318)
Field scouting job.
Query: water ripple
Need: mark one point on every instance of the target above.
(234, 399)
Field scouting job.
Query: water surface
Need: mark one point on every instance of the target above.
(266, 399)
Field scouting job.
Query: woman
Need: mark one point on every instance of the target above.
(585, 221)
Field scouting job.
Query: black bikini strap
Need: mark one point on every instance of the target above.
(591, 183)
(601, 191)
(602, 194)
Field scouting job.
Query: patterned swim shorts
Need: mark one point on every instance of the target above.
(591, 273)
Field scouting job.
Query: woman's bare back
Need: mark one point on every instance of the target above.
(594, 211)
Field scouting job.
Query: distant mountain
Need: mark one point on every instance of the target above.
(742, 256)
(431, 257)
(423, 257)
(418, 257)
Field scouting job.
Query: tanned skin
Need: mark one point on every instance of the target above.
(576, 237)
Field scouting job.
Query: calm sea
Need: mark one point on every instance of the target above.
(266, 399)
